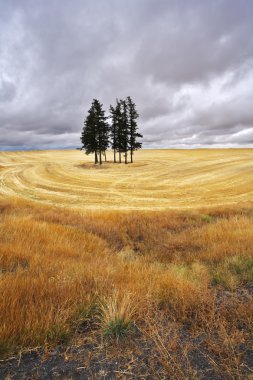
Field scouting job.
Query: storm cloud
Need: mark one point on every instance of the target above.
(187, 65)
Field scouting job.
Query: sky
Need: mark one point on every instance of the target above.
(188, 65)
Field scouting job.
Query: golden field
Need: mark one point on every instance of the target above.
(159, 251)
(158, 180)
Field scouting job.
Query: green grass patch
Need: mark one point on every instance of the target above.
(233, 272)
(118, 328)
(84, 315)
(242, 267)
(206, 218)
(58, 334)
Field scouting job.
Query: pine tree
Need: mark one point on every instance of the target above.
(119, 129)
(125, 129)
(114, 132)
(103, 126)
(133, 128)
(89, 134)
(95, 134)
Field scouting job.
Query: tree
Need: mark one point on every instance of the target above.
(114, 131)
(95, 134)
(89, 133)
(119, 142)
(125, 129)
(133, 128)
(103, 127)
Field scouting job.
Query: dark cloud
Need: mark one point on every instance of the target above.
(188, 66)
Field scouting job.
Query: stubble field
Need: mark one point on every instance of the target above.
(158, 180)
(127, 271)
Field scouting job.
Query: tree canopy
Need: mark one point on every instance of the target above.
(121, 134)
(95, 134)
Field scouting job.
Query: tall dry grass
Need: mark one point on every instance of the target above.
(59, 269)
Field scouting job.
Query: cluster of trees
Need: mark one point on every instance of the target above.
(120, 134)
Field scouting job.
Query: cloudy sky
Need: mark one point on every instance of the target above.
(188, 65)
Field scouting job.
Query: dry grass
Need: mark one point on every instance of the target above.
(158, 180)
(116, 313)
(167, 272)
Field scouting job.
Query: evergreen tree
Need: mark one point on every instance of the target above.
(119, 129)
(114, 132)
(125, 129)
(133, 128)
(95, 134)
(89, 133)
(103, 126)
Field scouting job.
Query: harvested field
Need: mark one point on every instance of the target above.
(158, 180)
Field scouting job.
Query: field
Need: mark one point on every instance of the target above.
(158, 180)
(127, 271)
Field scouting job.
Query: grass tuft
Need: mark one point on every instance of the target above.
(233, 272)
(118, 328)
(116, 316)
(206, 218)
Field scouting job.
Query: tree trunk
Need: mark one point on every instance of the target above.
(125, 157)
(114, 152)
(105, 155)
(131, 156)
(96, 157)
(120, 157)
(100, 157)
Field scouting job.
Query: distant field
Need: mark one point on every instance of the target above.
(158, 180)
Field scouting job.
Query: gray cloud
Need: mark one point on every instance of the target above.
(7, 91)
(188, 66)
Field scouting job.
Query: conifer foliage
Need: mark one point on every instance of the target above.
(95, 134)
(121, 134)
(133, 115)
